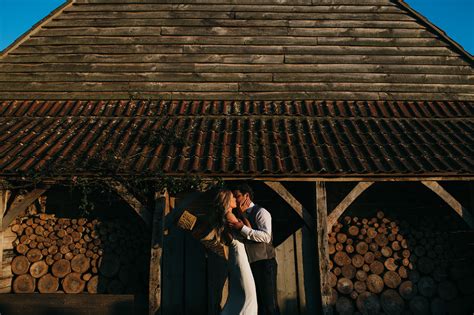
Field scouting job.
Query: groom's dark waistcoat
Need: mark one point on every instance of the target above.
(258, 250)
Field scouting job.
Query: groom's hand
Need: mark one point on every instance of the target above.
(236, 225)
(245, 205)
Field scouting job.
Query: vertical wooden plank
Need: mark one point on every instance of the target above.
(5, 271)
(195, 277)
(323, 253)
(8, 255)
(173, 270)
(287, 292)
(300, 274)
(156, 257)
(216, 276)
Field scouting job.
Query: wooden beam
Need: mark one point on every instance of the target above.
(451, 201)
(346, 202)
(340, 178)
(343, 178)
(323, 252)
(20, 205)
(162, 207)
(293, 202)
(129, 198)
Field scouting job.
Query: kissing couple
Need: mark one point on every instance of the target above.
(247, 229)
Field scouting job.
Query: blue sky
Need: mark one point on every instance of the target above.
(452, 16)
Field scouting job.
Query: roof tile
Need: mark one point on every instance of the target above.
(238, 138)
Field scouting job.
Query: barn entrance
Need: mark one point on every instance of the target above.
(194, 279)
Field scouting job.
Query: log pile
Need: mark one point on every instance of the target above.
(380, 265)
(62, 255)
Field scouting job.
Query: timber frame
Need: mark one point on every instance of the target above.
(159, 216)
(326, 219)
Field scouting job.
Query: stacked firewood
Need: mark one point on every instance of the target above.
(382, 265)
(77, 255)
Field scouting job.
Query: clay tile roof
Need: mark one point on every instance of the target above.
(239, 138)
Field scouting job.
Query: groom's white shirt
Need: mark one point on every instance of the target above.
(261, 233)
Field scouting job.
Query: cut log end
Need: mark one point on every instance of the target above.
(73, 283)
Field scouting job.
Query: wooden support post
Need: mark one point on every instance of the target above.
(451, 201)
(4, 196)
(346, 202)
(129, 198)
(293, 202)
(19, 206)
(162, 207)
(323, 252)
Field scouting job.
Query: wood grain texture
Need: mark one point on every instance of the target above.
(300, 271)
(313, 8)
(156, 256)
(173, 274)
(323, 252)
(287, 290)
(236, 50)
(4, 197)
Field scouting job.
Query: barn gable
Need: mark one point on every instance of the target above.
(236, 50)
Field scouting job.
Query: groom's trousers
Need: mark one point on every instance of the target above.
(264, 273)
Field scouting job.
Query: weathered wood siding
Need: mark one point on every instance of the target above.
(226, 49)
(6, 245)
(8, 254)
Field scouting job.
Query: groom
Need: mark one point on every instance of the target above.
(259, 247)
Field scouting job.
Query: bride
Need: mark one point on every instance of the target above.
(242, 298)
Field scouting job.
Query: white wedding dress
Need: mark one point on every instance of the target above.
(242, 298)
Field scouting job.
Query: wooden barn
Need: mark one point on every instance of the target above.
(353, 121)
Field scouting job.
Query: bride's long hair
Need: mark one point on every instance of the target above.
(221, 204)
